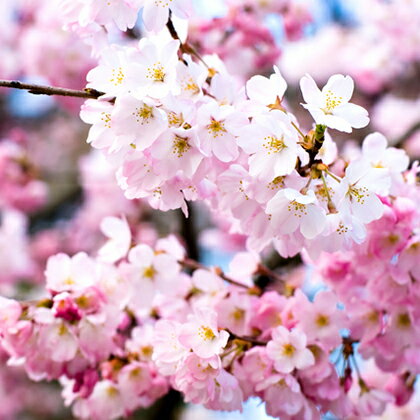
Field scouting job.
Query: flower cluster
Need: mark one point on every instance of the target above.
(179, 116)
(119, 335)
(180, 131)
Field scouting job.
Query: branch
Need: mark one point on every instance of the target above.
(185, 47)
(194, 265)
(261, 269)
(251, 340)
(51, 90)
(189, 231)
(399, 142)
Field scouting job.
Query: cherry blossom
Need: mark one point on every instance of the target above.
(156, 13)
(288, 350)
(331, 106)
(276, 151)
(201, 335)
(290, 210)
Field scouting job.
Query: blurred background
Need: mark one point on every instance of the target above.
(54, 189)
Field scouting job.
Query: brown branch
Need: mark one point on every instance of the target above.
(399, 142)
(251, 340)
(265, 271)
(185, 47)
(195, 265)
(51, 90)
(261, 270)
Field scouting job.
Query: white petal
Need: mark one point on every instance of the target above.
(341, 86)
(355, 115)
(310, 91)
(313, 223)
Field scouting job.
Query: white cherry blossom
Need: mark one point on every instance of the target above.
(191, 78)
(156, 64)
(118, 232)
(218, 127)
(331, 106)
(102, 134)
(290, 210)
(115, 73)
(156, 12)
(272, 144)
(266, 91)
(376, 151)
(176, 150)
(356, 193)
(201, 334)
(70, 273)
(122, 13)
(138, 123)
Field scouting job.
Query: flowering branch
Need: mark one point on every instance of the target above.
(51, 90)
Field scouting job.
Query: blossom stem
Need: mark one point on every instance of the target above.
(51, 90)
(331, 206)
(334, 177)
(298, 130)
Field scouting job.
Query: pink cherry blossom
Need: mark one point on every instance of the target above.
(288, 350)
(201, 334)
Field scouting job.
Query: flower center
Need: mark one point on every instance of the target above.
(106, 118)
(206, 333)
(341, 229)
(180, 146)
(175, 120)
(149, 272)
(157, 73)
(190, 86)
(358, 194)
(404, 321)
(238, 314)
(162, 3)
(62, 329)
(298, 209)
(117, 76)
(322, 321)
(217, 128)
(274, 144)
(288, 350)
(144, 114)
(332, 101)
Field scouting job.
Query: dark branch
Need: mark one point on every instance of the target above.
(51, 90)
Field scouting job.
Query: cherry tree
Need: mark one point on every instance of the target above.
(123, 315)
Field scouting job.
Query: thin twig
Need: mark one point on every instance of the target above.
(195, 265)
(185, 47)
(51, 90)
